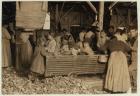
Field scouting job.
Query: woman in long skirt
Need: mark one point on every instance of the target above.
(23, 53)
(6, 51)
(117, 77)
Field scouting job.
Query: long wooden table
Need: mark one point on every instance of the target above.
(69, 64)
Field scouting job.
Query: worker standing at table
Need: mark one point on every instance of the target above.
(134, 57)
(117, 78)
(6, 51)
(23, 53)
(38, 60)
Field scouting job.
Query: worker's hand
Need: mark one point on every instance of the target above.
(13, 39)
(133, 49)
(132, 67)
(46, 48)
(14, 32)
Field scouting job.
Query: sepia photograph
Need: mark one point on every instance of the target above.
(69, 47)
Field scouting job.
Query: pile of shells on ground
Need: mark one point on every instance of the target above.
(15, 84)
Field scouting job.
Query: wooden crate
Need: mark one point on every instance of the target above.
(68, 64)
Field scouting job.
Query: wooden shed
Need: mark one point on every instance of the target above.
(73, 15)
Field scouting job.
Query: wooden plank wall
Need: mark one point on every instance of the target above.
(124, 17)
(72, 18)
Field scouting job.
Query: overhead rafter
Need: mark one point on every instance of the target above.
(67, 13)
(86, 10)
(92, 6)
(62, 9)
(112, 5)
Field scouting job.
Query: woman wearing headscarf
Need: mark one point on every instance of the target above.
(67, 38)
(23, 53)
(117, 78)
(121, 35)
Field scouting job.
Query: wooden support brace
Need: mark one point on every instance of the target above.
(112, 5)
(92, 6)
(56, 16)
(129, 16)
(66, 13)
(62, 9)
(101, 15)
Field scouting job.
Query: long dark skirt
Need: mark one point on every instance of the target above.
(23, 57)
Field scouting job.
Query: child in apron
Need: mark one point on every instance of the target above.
(38, 61)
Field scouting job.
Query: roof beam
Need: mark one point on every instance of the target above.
(62, 9)
(92, 6)
(66, 13)
(112, 5)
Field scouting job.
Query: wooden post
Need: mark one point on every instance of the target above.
(129, 16)
(56, 17)
(101, 15)
(66, 13)
(62, 9)
(17, 5)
